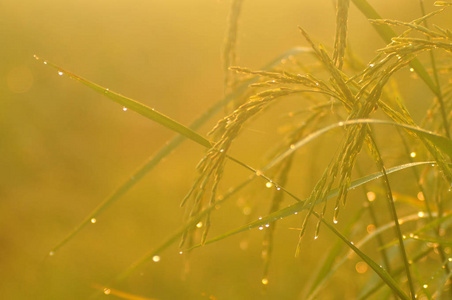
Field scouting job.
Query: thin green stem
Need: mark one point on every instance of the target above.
(439, 93)
(395, 217)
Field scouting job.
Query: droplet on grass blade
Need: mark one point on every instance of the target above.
(156, 258)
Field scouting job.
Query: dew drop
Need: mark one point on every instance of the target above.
(107, 291)
(264, 281)
(450, 259)
(221, 150)
(260, 218)
(36, 57)
(60, 73)
(425, 286)
(411, 70)
(269, 184)
(413, 154)
(45, 62)
(261, 227)
(51, 253)
(335, 220)
(278, 188)
(316, 237)
(156, 258)
(292, 146)
(421, 214)
(340, 124)
(93, 220)
(199, 225)
(371, 65)
(181, 252)
(124, 108)
(258, 173)
(295, 213)
(267, 225)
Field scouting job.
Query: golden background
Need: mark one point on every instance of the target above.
(64, 148)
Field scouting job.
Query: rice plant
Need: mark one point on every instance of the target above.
(357, 111)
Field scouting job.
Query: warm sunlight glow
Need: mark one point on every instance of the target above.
(371, 196)
(361, 267)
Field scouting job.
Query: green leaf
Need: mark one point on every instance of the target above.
(138, 107)
(441, 142)
(302, 205)
(384, 275)
(168, 148)
(288, 211)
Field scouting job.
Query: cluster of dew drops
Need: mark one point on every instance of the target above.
(268, 184)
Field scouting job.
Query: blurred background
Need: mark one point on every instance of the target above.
(65, 148)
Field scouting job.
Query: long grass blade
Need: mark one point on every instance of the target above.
(326, 269)
(153, 161)
(390, 198)
(282, 213)
(384, 275)
(439, 141)
(137, 107)
(360, 244)
(302, 205)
